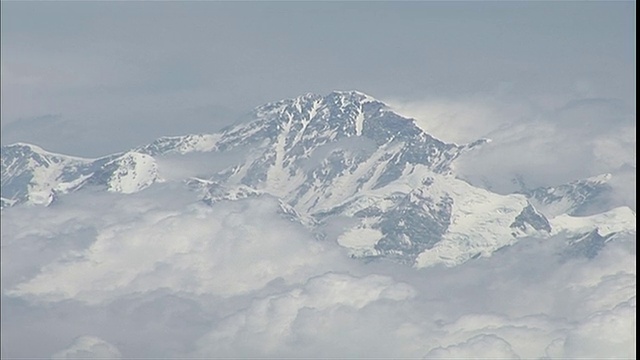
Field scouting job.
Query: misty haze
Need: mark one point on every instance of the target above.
(318, 180)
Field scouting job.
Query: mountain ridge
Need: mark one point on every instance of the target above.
(342, 155)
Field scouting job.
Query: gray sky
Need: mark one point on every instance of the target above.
(89, 78)
(552, 83)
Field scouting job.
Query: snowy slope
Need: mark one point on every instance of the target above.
(131, 172)
(34, 176)
(618, 220)
(574, 198)
(344, 155)
(347, 155)
(181, 144)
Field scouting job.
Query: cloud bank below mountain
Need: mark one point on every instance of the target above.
(158, 273)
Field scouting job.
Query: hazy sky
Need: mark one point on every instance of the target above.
(90, 78)
(551, 83)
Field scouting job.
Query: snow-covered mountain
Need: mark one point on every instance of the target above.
(34, 176)
(575, 198)
(343, 156)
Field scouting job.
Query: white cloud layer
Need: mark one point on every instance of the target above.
(537, 140)
(159, 274)
(226, 251)
(88, 347)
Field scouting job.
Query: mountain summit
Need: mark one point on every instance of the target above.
(342, 156)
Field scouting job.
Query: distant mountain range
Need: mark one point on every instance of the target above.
(344, 161)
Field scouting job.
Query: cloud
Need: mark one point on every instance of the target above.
(158, 273)
(536, 141)
(275, 325)
(89, 347)
(595, 336)
(224, 250)
(478, 347)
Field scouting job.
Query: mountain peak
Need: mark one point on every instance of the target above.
(353, 94)
(347, 95)
(22, 149)
(310, 104)
(326, 158)
(34, 148)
